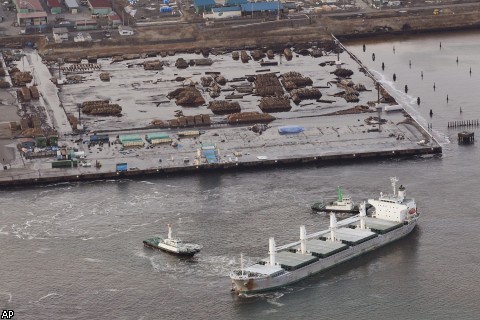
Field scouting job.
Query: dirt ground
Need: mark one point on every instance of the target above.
(186, 36)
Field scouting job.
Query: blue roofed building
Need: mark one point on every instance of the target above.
(223, 13)
(203, 5)
(264, 6)
(235, 2)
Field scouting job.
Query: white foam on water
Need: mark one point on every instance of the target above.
(51, 294)
(92, 260)
(9, 296)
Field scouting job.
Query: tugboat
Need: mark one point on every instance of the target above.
(342, 205)
(172, 245)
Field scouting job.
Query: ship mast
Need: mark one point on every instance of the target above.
(241, 261)
(333, 226)
(340, 195)
(169, 231)
(394, 181)
(272, 251)
(363, 214)
(303, 239)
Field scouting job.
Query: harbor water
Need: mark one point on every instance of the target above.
(74, 251)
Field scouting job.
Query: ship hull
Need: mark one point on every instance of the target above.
(256, 285)
(177, 253)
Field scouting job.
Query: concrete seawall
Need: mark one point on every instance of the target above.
(34, 179)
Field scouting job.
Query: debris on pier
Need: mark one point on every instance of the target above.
(244, 56)
(153, 65)
(187, 97)
(101, 107)
(275, 104)
(221, 107)
(305, 94)
(294, 80)
(249, 117)
(105, 76)
(257, 55)
(343, 73)
(268, 85)
(288, 53)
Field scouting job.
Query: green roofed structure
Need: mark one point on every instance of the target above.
(131, 140)
(156, 136)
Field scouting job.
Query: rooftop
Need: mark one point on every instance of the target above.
(53, 3)
(71, 4)
(226, 9)
(199, 3)
(261, 6)
(100, 3)
(32, 5)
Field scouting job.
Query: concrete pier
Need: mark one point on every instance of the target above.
(331, 132)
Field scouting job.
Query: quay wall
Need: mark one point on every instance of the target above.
(229, 166)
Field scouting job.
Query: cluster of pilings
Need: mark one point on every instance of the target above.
(463, 123)
(466, 137)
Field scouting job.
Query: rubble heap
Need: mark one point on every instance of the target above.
(221, 107)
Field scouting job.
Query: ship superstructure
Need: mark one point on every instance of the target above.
(395, 217)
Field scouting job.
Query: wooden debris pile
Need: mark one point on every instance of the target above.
(222, 107)
(214, 90)
(288, 53)
(72, 120)
(294, 80)
(20, 78)
(359, 87)
(317, 52)
(343, 73)
(243, 88)
(267, 84)
(188, 121)
(349, 93)
(187, 97)
(257, 54)
(221, 80)
(101, 107)
(3, 73)
(153, 65)
(235, 55)
(249, 117)
(24, 94)
(4, 84)
(275, 104)
(206, 81)
(244, 56)
(78, 67)
(105, 76)
(355, 110)
(203, 62)
(304, 94)
(34, 93)
(181, 63)
(74, 78)
(270, 54)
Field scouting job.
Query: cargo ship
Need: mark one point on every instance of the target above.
(172, 245)
(394, 217)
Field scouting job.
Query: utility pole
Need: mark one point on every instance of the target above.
(278, 10)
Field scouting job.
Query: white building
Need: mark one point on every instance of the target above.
(125, 30)
(223, 13)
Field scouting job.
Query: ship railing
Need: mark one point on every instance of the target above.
(238, 274)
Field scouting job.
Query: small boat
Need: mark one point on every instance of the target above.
(342, 204)
(172, 245)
